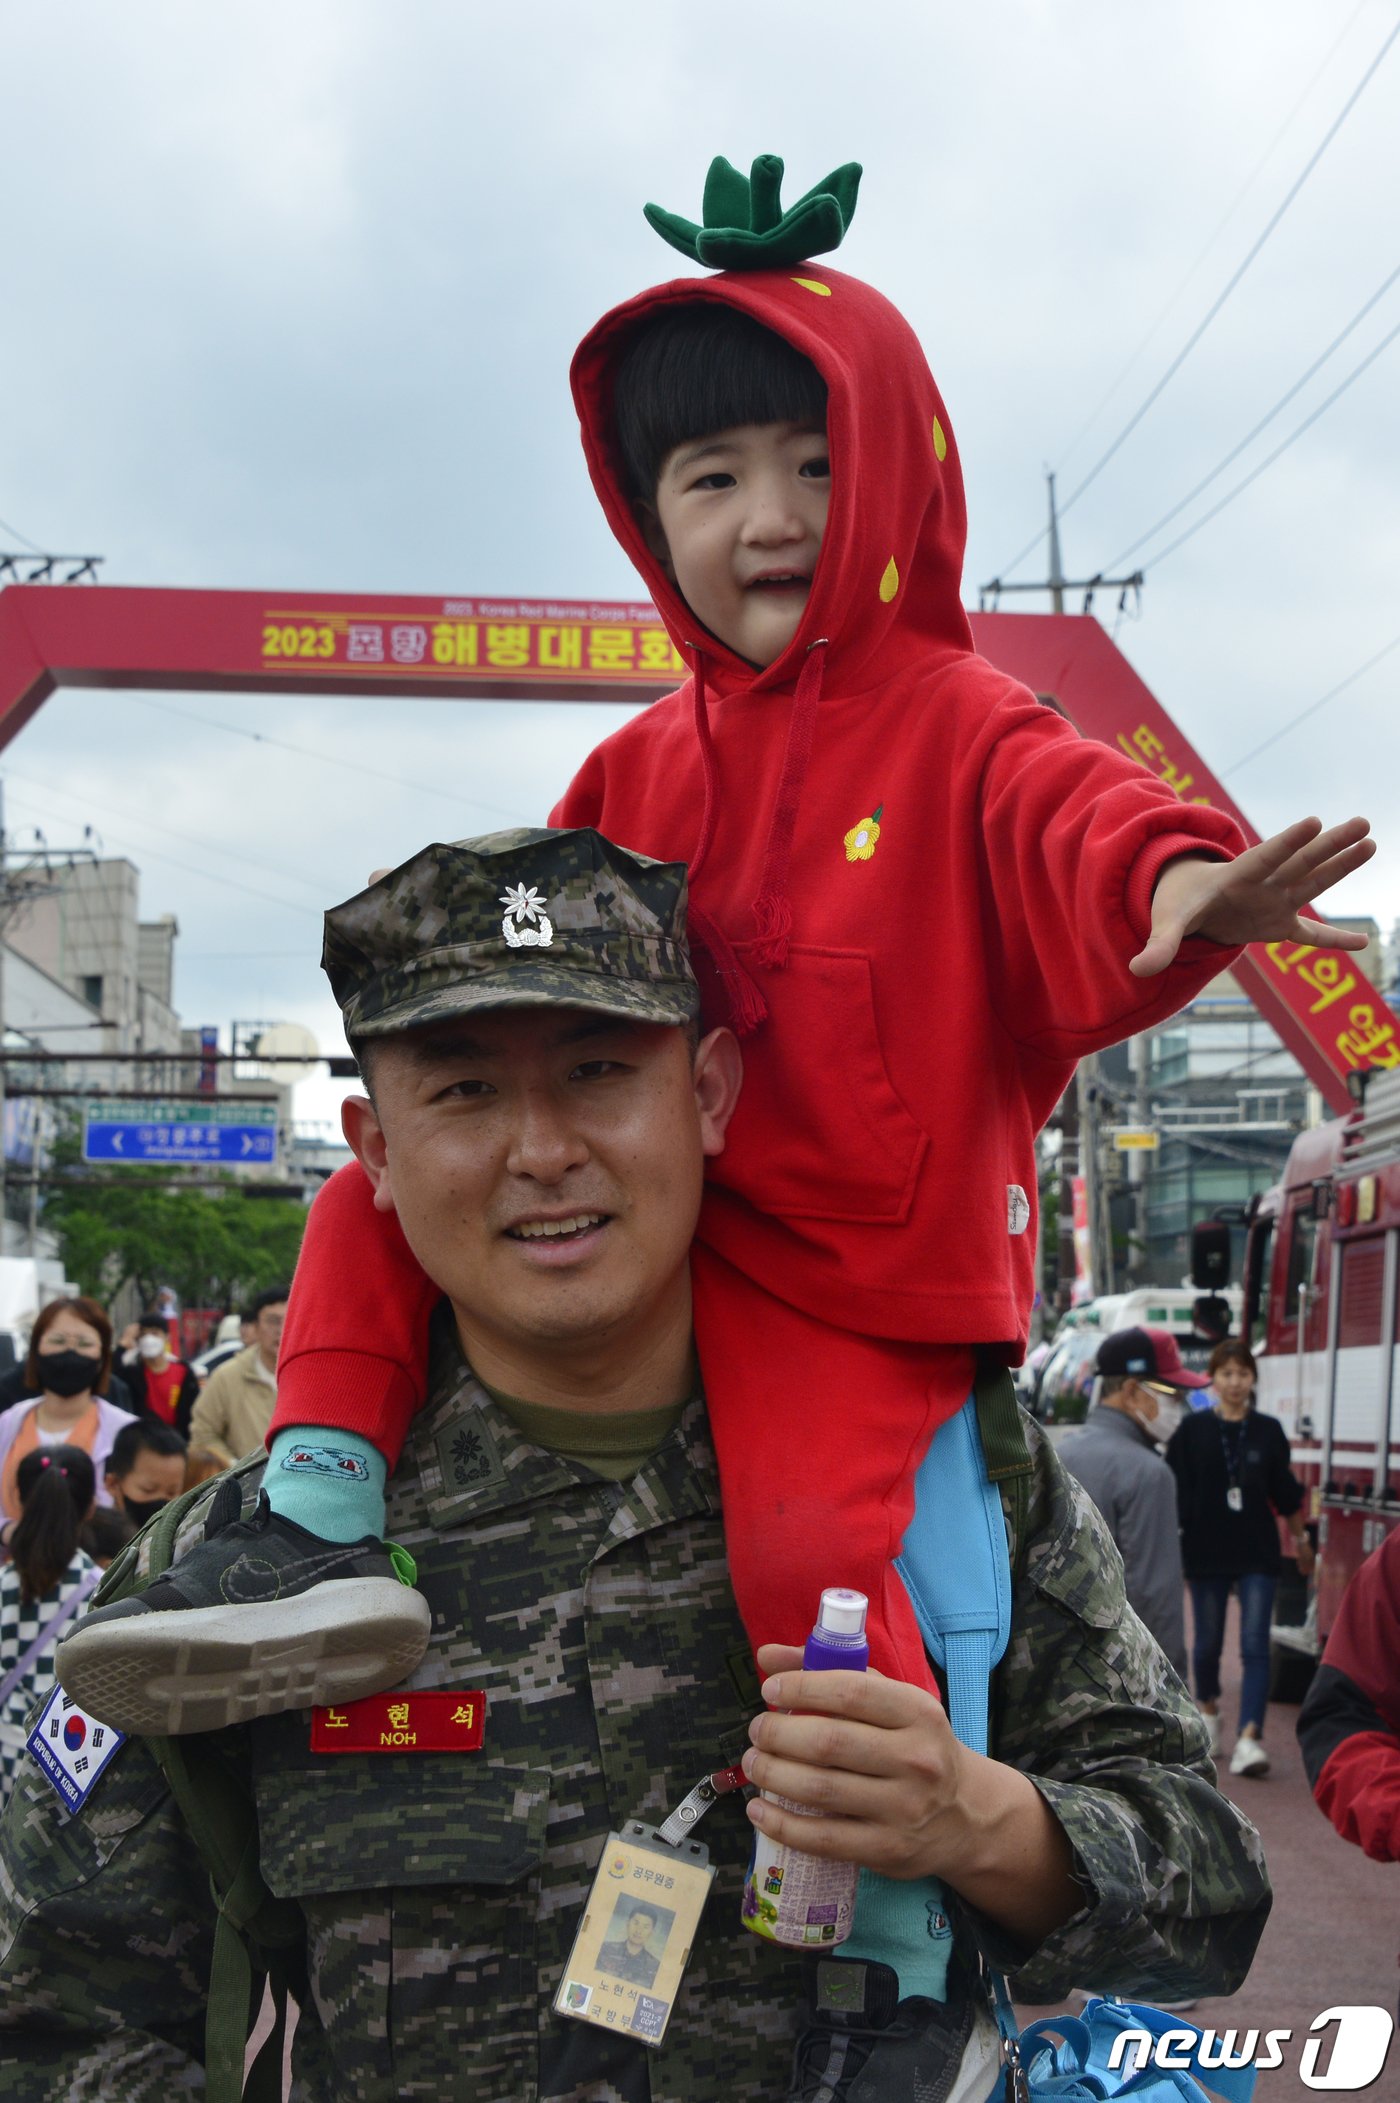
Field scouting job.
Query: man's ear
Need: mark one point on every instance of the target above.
(364, 1135)
(718, 1075)
(649, 520)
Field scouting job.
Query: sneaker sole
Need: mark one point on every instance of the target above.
(202, 1668)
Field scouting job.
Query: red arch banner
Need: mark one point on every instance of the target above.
(1327, 1012)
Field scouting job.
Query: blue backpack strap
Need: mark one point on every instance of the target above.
(956, 1568)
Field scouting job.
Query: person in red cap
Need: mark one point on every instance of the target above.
(1116, 1455)
(1233, 1485)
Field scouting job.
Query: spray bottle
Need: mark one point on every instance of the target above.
(796, 1899)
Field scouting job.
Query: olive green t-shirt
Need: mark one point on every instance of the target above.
(614, 1446)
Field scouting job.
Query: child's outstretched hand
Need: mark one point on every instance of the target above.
(1256, 897)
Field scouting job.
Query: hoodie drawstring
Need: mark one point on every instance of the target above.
(747, 1007)
(708, 771)
(772, 909)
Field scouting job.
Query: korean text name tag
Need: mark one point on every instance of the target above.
(428, 1721)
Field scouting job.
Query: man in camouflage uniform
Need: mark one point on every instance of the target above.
(586, 1593)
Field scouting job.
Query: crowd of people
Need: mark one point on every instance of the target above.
(96, 1435)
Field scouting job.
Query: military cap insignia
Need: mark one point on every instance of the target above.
(526, 924)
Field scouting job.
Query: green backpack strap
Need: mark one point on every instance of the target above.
(1009, 1463)
(257, 1938)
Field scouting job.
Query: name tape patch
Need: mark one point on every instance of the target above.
(71, 1747)
(429, 1721)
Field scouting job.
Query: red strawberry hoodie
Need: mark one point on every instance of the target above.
(915, 891)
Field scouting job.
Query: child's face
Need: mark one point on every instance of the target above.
(738, 524)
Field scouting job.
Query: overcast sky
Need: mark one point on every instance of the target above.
(290, 295)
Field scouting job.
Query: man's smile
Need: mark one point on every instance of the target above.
(558, 1239)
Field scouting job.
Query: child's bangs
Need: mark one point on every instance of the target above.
(699, 369)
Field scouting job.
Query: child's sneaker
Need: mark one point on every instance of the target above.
(261, 1616)
(1249, 1757)
(859, 2039)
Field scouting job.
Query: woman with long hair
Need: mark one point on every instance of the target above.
(47, 1581)
(69, 1364)
(1233, 1484)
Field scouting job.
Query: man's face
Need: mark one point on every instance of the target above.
(738, 523)
(267, 1330)
(545, 1164)
(1155, 1407)
(639, 1927)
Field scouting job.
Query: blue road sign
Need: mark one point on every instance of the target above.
(187, 1133)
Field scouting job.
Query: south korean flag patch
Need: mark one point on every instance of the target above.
(71, 1747)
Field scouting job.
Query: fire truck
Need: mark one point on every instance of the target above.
(1321, 1269)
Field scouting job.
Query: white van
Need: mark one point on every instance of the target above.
(1150, 1307)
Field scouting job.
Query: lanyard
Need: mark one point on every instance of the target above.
(1231, 1447)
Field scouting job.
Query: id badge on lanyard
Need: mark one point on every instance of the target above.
(640, 1921)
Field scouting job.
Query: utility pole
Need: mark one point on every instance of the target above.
(1089, 1091)
(1057, 583)
(1057, 568)
(18, 889)
(1140, 1162)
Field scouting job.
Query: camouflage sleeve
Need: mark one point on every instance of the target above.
(106, 1935)
(1175, 1889)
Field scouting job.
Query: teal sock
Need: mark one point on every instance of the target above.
(905, 1926)
(330, 1482)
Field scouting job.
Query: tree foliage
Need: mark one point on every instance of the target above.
(216, 1246)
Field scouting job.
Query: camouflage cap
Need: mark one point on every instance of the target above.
(517, 919)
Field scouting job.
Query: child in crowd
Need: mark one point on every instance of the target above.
(916, 892)
(43, 1587)
(145, 1468)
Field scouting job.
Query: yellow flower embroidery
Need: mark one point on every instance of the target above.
(860, 841)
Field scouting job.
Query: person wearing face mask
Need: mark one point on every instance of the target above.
(145, 1469)
(1234, 1483)
(1140, 1402)
(67, 1371)
(163, 1387)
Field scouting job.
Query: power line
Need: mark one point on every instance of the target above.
(209, 875)
(168, 832)
(17, 535)
(1313, 706)
(1276, 454)
(1092, 418)
(333, 759)
(1263, 423)
(1194, 338)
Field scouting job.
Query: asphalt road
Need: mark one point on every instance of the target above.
(1333, 1936)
